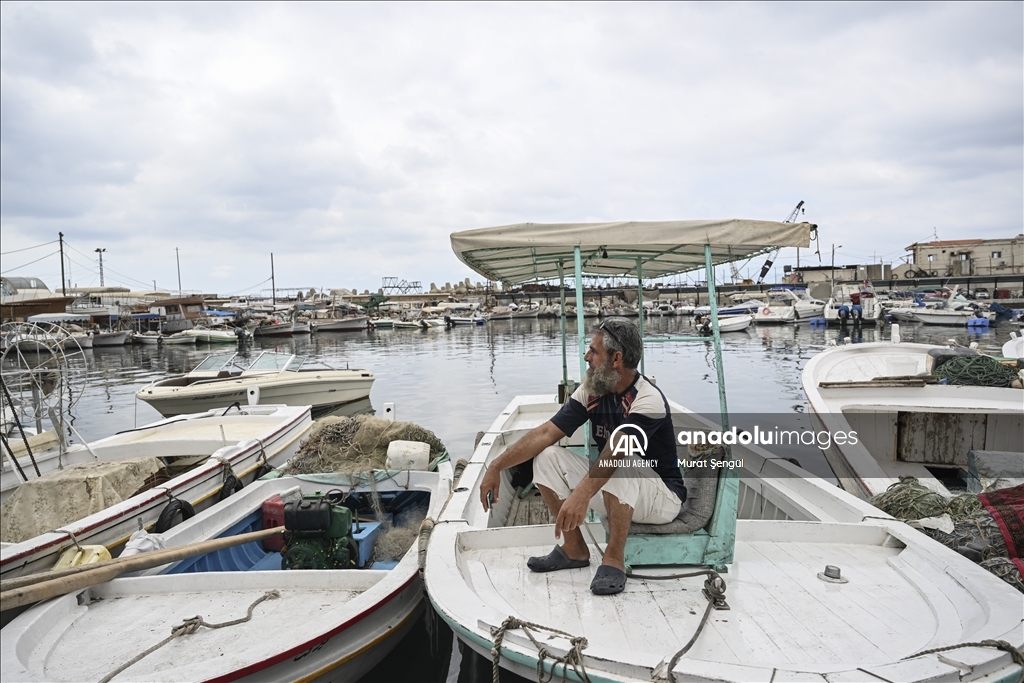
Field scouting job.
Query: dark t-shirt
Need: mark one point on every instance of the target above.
(643, 405)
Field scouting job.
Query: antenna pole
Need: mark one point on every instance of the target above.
(273, 282)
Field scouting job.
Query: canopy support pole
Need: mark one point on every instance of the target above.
(561, 296)
(640, 303)
(582, 340)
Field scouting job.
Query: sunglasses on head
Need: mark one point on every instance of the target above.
(602, 327)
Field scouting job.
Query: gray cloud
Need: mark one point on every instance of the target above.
(351, 139)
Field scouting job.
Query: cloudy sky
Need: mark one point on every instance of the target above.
(350, 140)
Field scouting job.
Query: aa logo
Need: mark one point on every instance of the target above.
(629, 440)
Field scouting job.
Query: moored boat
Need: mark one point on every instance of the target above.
(110, 338)
(351, 323)
(223, 379)
(273, 329)
(906, 422)
(203, 448)
(313, 615)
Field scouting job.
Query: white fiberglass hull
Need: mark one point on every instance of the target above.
(905, 592)
(110, 338)
(948, 318)
(775, 315)
(319, 389)
(904, 425)
(324, 625)
(250, 436)
(342, 325)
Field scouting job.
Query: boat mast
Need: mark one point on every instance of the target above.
(63, 282)
(177, 258)
(273, 283)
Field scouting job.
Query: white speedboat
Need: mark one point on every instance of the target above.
(406, 325)
(382, 323)
(727, 323)
(907, 424)
(896, 592)
(199, 451)
(852, 303)
(465, 320)
(318, 615)
(952, 317)
(176, 339)
(150, 338)
(223, 379)
(780, 307)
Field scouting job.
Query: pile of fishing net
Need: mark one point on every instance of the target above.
(964, 523)
(977, 371)
(355, 444)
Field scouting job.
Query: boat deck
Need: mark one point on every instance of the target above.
(783, 618)
(250, 428)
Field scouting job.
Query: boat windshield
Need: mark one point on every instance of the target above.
(215, 362)
(780, 298)
(295, 363)
(270, 362)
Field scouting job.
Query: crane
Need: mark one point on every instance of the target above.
(797, 210)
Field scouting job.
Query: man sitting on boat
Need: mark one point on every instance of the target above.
(613, 394)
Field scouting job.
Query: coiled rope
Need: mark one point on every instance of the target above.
(574, 657)
(976, 371)
(191, 626)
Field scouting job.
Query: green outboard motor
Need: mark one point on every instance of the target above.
(318, 535)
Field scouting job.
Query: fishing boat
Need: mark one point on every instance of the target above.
(465, 320)
(223, 379)
(273, 328)
(110, 338)
(199, 451)
(907, 423)
(321, 621)
(726, 323)
(147, 338)
(406, 325)
(382, 323)
(213, 335)
(785, 577)
(176, 339)
(352, 323)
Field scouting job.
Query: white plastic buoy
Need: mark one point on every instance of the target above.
(389, 412)
(895, 334)
(253, 394)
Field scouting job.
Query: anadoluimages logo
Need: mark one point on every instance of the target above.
(630, 444)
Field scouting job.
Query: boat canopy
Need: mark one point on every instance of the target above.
(526, 252)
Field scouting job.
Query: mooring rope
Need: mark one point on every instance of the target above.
(573, 657)
(191, 626)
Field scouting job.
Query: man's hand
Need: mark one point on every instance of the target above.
(572, 514)
(490, 485)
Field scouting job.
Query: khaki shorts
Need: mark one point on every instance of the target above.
(561, 470)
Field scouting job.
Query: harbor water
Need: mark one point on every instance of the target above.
(456, 381)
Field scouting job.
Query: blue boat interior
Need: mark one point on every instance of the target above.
(398, 509)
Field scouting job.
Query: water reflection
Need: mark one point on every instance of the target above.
(456, 381)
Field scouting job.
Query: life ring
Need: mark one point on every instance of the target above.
(766, 311)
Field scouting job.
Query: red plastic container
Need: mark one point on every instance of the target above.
(273, 516)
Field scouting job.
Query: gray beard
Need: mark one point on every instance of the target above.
(600, 381)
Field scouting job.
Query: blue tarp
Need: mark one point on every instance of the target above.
(222, 314)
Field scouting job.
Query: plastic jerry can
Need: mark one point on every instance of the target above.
(88, 554)
(273, 516)
(408, 455)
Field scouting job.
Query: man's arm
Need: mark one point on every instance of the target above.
(574, 510)
(536, 440)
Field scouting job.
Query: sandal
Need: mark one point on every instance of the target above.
(555, 560)
(608, 581)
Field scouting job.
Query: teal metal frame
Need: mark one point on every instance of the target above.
(715, 544)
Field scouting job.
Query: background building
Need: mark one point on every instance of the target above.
(975, 257)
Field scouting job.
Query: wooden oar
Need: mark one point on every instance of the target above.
(24, 590)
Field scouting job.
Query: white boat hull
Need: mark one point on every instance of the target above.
(949, 318)
(352, 324)
(954, 419)
(110, 338)
(322, 392)
(270, 432)
(775, 315)
(325, 625)
(905, 592)
(273, 330)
